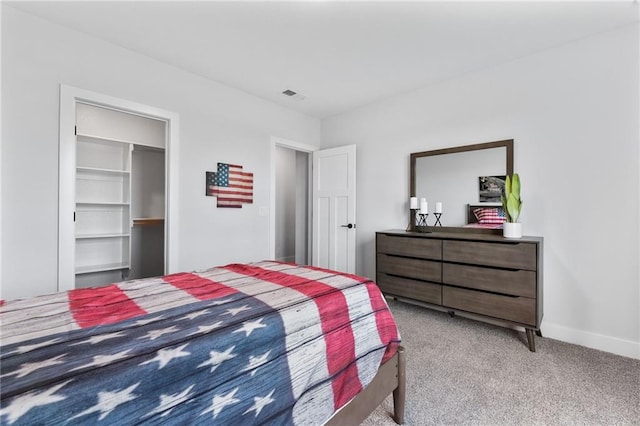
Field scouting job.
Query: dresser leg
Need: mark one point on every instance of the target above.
(531, 339)
(539, 333)
(452, 314)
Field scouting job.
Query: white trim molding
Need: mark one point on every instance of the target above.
(601, 342)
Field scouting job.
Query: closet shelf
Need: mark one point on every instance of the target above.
(102, 170)
(94, 138)
(97, 236)
(101, 203)
(101, 268)
(148, 221)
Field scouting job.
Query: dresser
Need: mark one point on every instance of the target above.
(492, 277)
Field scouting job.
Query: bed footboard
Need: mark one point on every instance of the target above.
(389, 379)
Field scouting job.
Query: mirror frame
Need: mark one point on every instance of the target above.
(508, 144)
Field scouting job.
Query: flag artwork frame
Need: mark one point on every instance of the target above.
(232, 186)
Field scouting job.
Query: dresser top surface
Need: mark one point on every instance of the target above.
(461, 236)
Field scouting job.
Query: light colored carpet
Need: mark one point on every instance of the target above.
(465, 372)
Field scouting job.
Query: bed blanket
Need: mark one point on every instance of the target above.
(262, 343)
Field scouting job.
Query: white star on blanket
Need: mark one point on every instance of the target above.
(168, 402)
(108, 401)
(217, 358)
(164, 356)
(219, 402)
(260, 402)
(30, 367)
(203, 329)
(24, 403)
(99, 360)
(235, 311)
(255, 362)
(249, 326)
(195, 314)
(28, 348)
(99, 338)
(154, 334)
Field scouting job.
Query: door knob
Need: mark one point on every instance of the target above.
(349, 225)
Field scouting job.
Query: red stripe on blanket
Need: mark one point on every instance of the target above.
(340, 342)
(387, 328)
(101, 305)
(198, 287)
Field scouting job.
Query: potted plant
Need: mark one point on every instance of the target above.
(512, 205)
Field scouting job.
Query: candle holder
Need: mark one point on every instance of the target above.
(413, 222)
(438, 216)
(421, 222)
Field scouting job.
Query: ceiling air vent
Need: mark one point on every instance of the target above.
(297, 96)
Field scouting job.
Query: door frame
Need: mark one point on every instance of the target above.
(69, 96)
(297, 146)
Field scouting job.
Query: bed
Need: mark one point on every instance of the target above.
(260, 343)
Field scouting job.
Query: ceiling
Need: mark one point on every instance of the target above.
(337, 55)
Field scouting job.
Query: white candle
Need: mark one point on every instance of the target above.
(424, 206)
(438, 207)
(413, 203)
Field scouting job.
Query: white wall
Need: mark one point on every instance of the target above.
(217, 124)
(573, 113)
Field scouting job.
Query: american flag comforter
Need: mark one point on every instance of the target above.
(262, 343)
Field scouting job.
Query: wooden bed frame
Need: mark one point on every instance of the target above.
(390, 378)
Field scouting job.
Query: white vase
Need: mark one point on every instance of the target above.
(512, 230)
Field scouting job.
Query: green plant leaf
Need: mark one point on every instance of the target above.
(515, 185)
(513, 207)
(507, 186)
(504, 206)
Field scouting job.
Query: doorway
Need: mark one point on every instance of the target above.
(292, 206)
(330, 216)
(290, 201)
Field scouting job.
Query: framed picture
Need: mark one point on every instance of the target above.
(490, 188)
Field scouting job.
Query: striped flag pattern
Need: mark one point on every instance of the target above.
(231, 185)
(261, 343)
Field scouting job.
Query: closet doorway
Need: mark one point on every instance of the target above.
(114, 190)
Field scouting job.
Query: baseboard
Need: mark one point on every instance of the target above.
(601, 342)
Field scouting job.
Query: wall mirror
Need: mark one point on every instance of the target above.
(451, 176)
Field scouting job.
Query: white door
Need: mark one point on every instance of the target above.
(334, 208)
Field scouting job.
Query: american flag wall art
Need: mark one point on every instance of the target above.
(231, 185)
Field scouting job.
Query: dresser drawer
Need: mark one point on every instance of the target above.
(517, 309)
(506, 281)
(423, 248)
(409, 268)
(412, 289)
(503, 254)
